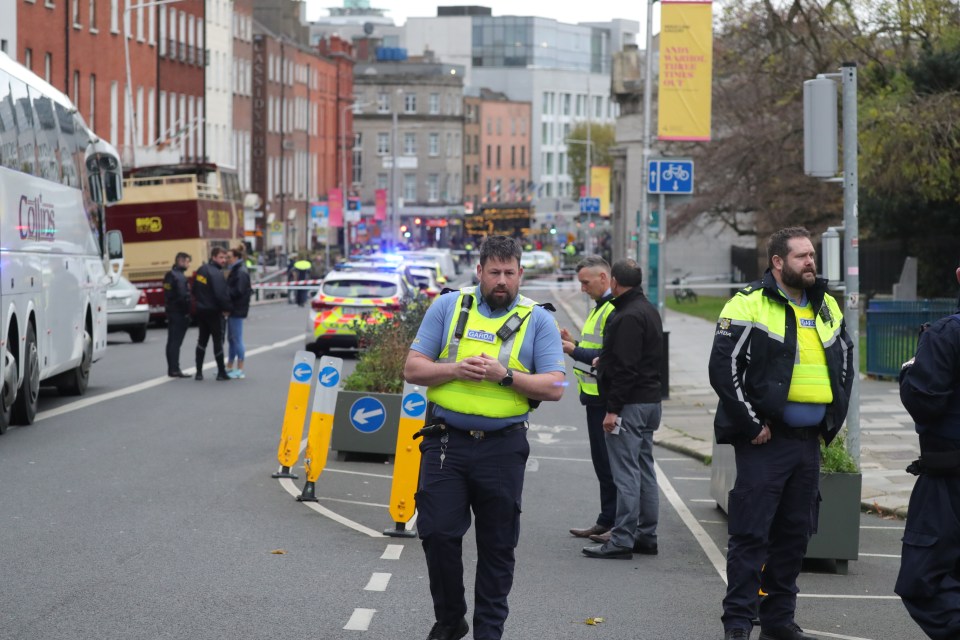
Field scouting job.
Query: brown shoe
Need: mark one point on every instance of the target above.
(601, 537)
(592, 531)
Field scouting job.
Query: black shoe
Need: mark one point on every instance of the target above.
(608, 550)
(449, 632)
(788, 632)
(223, 376)
(736, 634)
(199, 375)
(645, 548)
(177, 374)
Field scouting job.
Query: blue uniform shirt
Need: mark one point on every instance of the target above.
(540, 352)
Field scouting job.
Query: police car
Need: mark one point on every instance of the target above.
(349, 297)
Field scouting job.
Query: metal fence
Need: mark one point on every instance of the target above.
(892, 330)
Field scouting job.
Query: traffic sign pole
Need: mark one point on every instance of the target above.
(321, 423)
(298, 399)
(406, 461)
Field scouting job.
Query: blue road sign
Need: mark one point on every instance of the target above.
(589, 205)
(302, 372)
(367, 414)
(670, 176)
(414, 404)
(329, 377)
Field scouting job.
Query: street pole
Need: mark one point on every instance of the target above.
(643, 226)
(393, 224)
(851, 244)
(662, 259)
(588, 245)
(343, 185)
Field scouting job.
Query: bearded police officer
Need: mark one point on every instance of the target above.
(486, 354)
(593, 272)
(782, 366)
(929, 580)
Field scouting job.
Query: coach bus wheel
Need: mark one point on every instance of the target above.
(8, 387)
(74, 382)
(25, 406)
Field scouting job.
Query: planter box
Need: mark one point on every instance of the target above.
(838, 530)
(365, 423)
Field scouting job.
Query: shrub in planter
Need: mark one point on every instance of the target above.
(836, 458)
(838, 533)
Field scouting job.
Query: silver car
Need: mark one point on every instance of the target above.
(127, 309)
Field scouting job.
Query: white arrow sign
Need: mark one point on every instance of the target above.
(410, 405)
(327, 378)
(360, 417)
(545, 438)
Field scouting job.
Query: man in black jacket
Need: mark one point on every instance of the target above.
(213, 306)
(629, 383)
(176, 294)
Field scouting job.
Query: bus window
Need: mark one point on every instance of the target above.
(23, 112)
(46, 134)
(9, 157)
(69, 156)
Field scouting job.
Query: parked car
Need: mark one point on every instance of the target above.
(424, 280)
(349, 297)
(127, 309)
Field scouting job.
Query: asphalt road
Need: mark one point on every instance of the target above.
(147, 510)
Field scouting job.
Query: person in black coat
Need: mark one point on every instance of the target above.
(213, 306)
(239, 289)
(176, 295)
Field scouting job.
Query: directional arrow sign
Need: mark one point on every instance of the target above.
(367, 414)
(321, 418)
(414, 405)
(329, 376)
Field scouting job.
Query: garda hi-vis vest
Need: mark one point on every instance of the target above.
(484, 398)
(810, 381)
(591, 337)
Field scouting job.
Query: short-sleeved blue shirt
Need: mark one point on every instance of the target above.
(540, 352)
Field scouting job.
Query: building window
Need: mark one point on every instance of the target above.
(598, 107)
(75, 9)
(566, 104)
(433, 187)
(409, 103)
(409, 144)
(93, 102)
(28, 58)
(546, 102)
(545, 134)
(383, 144)
(499, 126)
(489, 151)
(489, 191)
(76, 87)
(410, 187)
(498, 156)
(383, 103)
(114, 16)
(548, 164)
(381, 181)
(434, 104)
(47, 66)
(562, 163)
(357, 165)
(523, 157)
(434, 144)
(489, 126)
(513, 157)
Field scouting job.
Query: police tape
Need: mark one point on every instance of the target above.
(292, 284)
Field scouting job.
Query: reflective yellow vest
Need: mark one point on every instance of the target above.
(810, 381)
(483, 398)
(591, 337)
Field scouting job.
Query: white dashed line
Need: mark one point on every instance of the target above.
(702, 478)
(360, 620)
(378, 582)
(392, 552)
(880, 555)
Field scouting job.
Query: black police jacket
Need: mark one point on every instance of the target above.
(210, 288)
(930, 386)
(239, 289)
(629, 367)
(176, 291)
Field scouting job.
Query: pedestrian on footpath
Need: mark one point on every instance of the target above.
(593, 272)
(176, 297)
(929, 580)
(782, 366)
(212, 307)
(488, 355)
(239, 290)
(628, 376)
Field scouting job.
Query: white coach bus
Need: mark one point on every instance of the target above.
(56, 177)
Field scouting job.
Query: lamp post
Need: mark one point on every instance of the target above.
(588, 244)
(126, 54)
(343, 180)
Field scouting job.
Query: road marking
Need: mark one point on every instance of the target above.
(392, 552)
(562, 459)
(835, 635)
(147, 384)
(360, 620)
(712, 522)
(692, 478)
(358, 473)
(356, 502)
(880, 555)
(845, 597)
(378, 582)
(704, 500)
(292, 489)
(866, 526)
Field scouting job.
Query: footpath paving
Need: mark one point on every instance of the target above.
(888, 441)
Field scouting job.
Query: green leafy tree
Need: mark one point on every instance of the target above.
(601, 140)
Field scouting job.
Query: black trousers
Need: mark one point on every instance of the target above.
(772, 512)
(210, 324)
(177, 324)
(601, 465)
(487, 476)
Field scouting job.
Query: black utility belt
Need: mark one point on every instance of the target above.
(936, 463)
(795, 433)
(437, 430)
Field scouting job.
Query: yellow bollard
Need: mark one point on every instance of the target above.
(406, 462)
(321, 423)
(298, 401)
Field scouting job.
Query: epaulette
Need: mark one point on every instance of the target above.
(448, 290)
(546, 305)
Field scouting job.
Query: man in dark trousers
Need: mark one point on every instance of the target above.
(487, 355)
(213, 306)
(929, 580)
(782, 366)
(176, 296)
(593, 272)
(628, 377)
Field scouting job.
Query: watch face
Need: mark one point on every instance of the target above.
(507, 379)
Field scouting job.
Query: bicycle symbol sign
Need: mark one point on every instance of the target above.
(670, 176)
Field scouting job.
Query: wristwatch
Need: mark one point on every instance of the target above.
(507, 379)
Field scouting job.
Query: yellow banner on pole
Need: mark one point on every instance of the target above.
(600, 188)
(686, 70)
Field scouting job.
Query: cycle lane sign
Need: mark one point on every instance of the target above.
(670, 176)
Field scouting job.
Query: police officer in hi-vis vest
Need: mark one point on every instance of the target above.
(487, 355)
(593, 272)
(782, 365)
